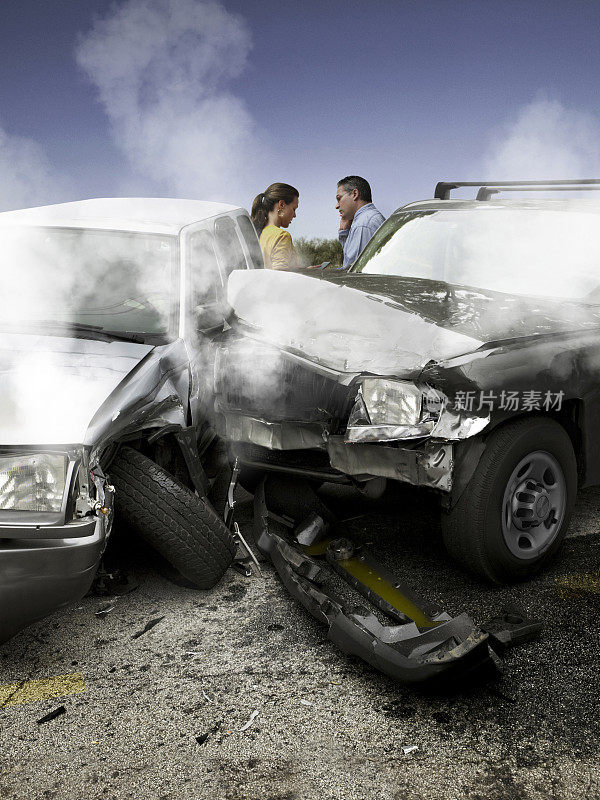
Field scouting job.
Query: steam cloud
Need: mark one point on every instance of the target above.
(546, 141)
(162, 68)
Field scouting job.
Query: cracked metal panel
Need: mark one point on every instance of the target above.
(429, 465)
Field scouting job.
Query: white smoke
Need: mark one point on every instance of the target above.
(27, 178)
(547, 140)
(56, 283)
(163, 70)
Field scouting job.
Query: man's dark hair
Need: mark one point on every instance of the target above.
(356, 182)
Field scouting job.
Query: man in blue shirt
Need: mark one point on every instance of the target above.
(359, 217)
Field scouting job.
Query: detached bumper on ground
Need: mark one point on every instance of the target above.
(428, 643)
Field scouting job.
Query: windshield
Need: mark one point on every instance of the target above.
(118, 281)
(534, 252)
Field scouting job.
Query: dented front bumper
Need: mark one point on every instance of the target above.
(39, 575)
(429, 464)
(275, 446)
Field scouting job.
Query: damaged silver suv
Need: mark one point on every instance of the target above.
(107, 306)
(459, 354)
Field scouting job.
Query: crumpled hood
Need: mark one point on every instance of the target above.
(339, 327)
(481, 313)
(51, 386)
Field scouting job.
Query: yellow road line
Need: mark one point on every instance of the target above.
(15, 694)
(578, 584)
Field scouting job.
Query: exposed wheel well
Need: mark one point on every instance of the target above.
(569, 417)
(471, 450)
(164, 451)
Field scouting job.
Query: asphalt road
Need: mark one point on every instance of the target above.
(162, 714)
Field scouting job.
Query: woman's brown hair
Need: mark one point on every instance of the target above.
(265, 202)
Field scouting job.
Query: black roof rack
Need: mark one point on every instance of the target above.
(488, 188)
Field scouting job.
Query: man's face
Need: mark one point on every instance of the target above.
(345, 202)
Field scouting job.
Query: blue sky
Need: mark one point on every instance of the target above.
(403, 93)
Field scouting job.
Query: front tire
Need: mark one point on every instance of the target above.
(514, 513)
(181, 526)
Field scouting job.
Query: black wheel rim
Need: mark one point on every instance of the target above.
(533, 506)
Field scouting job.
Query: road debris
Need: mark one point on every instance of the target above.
(115, 584)
(148, 627)
(311, 529)
(245, 727)
(206, 697)
(427, 645)
(102, 612)
(203, 738)
(512, 628)
(58, 712)
(306, 703)
(410, 748)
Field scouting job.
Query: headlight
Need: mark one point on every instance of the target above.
(33, 482)
(389, 410)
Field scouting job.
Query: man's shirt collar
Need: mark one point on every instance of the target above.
(366, 207)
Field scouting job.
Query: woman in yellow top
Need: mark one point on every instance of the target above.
(272, 211)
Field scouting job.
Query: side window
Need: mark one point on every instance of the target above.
(229, 249)
(206, 283)
(251, 239)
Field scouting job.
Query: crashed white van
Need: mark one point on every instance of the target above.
(106, 309)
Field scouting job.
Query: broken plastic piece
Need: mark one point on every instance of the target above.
(52, 715)
(311, 530)
(102, 612)
(408, 749)
(283, 519)
(245, 727)
(512, 628)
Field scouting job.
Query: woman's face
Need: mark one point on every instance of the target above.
(288, 212)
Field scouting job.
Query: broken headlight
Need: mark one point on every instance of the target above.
(33, 481)
(389, 410)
